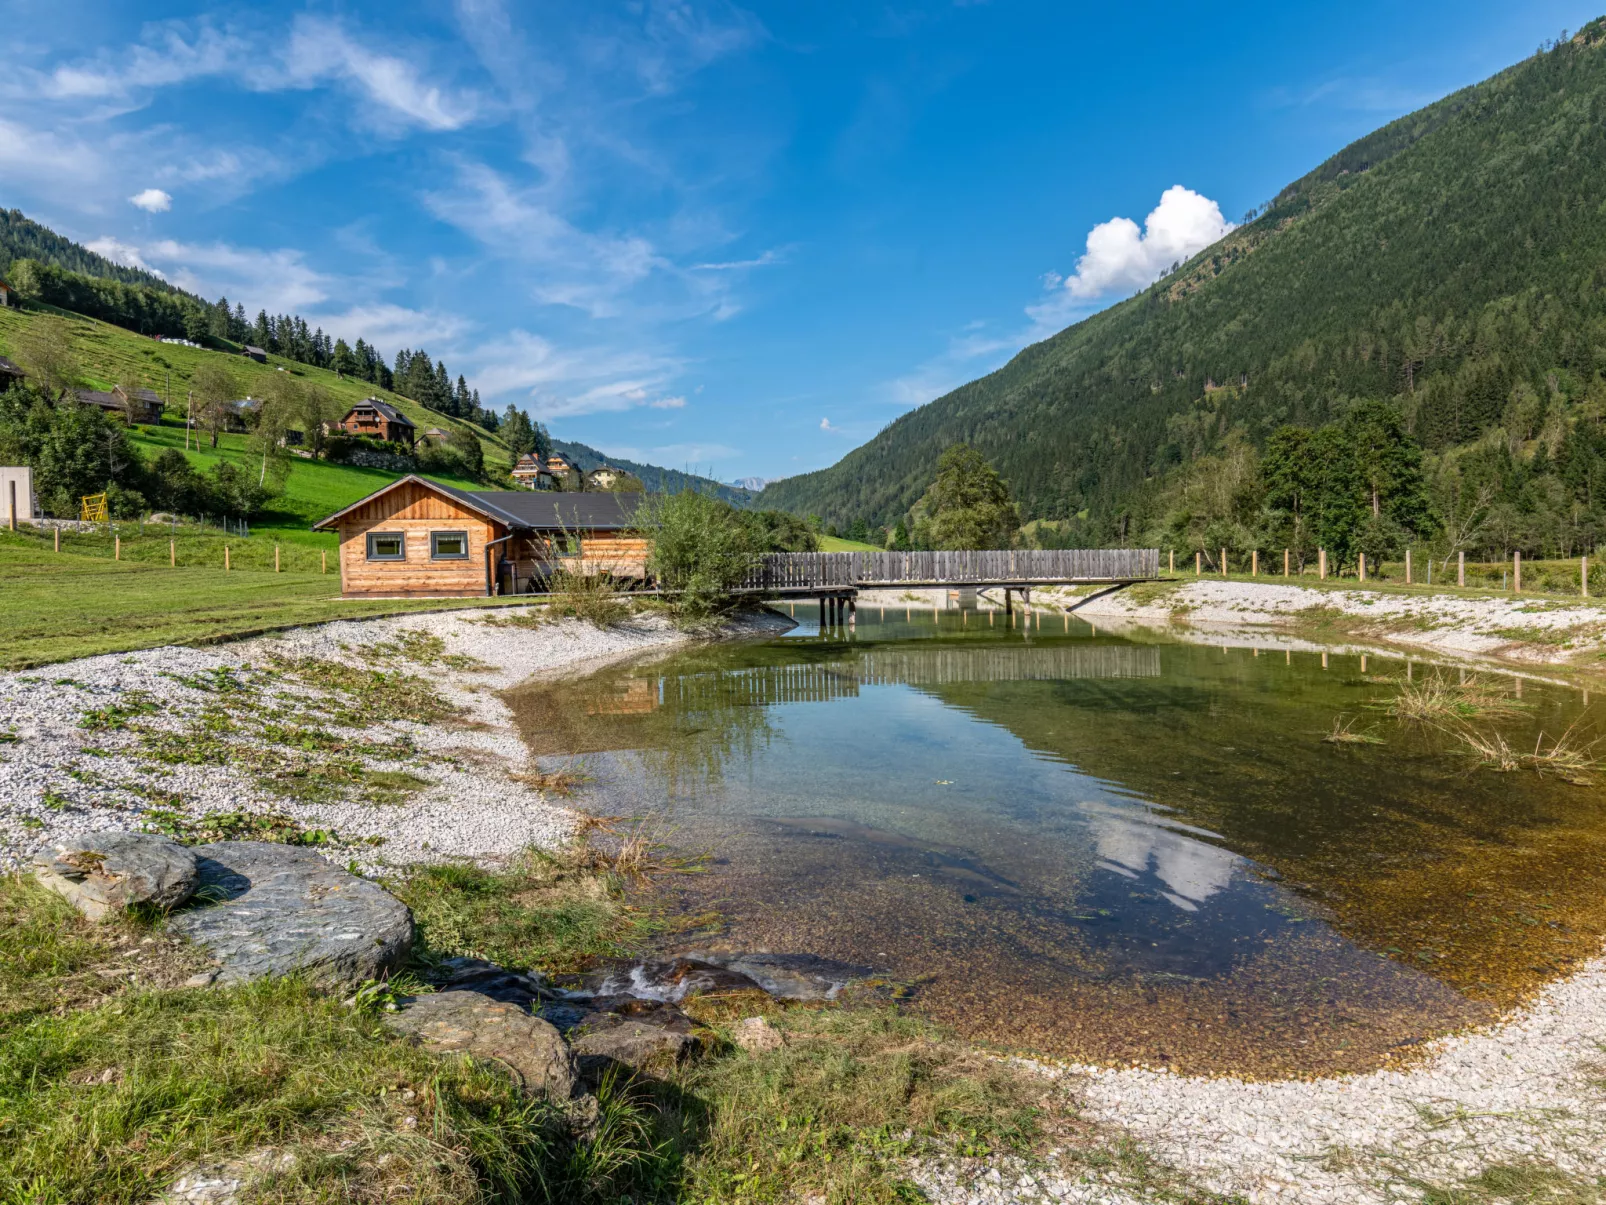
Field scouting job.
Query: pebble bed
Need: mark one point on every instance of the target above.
(49, 788)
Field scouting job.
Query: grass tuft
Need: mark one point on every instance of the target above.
(1344, 733)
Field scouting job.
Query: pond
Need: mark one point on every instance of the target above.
(1109, 847)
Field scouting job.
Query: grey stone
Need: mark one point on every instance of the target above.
(222, 1182)
(606, 1039)
(466, 1022)
(282, 909)
(103, 873)
(788, 976)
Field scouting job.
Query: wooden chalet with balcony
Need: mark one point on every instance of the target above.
(418, 537)
(378, 420)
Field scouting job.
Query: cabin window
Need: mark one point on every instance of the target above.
(387, 546)
(566, 545)
(448, 545)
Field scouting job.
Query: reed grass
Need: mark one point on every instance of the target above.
(1435, 699)
(1344, 733)
(1568, 755)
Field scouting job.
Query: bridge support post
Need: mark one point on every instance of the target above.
(1009, 602)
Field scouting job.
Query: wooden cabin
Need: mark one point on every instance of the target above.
(418, 537)
(132, 406)
(378, 420)
(254, 353)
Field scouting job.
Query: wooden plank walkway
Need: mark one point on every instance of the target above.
(813, 572)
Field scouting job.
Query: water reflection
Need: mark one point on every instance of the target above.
(1109, 847)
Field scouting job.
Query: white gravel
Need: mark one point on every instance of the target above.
(50, 788)
(1440, 622)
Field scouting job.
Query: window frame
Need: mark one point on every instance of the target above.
(434, 546)
(399, 536)
(568, 546)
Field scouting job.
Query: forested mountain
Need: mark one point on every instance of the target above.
(23, 238)
(1451, 265)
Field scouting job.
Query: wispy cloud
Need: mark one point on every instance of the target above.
(554, 381)
(119, 253)
(322, 50)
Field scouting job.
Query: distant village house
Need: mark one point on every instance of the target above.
(531, 473)
(418, 537)
(378, 420)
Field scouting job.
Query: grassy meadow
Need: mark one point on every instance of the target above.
(80, 602)
(109, 355)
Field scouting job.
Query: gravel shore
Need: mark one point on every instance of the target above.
(76, 738)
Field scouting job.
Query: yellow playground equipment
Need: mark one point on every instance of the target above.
(94, 508)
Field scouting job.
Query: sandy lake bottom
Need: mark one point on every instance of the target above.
(1109, 848)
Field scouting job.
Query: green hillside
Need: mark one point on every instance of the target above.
(1451, 263)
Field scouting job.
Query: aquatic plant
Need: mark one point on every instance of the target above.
(1436, 699)
(1344, 733)
(1568, 755)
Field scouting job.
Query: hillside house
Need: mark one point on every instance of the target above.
(254, 353)
(436, 436)
(8, 295)
(240, 415)
(604, 477)
(560, 466)
(378, 420)
(418, 537)
(142, 406)
(532, 474)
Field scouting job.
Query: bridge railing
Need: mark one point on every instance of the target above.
(844, 570)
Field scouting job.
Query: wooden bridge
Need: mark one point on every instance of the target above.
(835, 578)
(811, 572)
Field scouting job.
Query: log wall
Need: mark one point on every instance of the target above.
(415, 512)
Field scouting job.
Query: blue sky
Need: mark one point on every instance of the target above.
(740, 239)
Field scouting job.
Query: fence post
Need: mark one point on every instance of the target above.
(1223, 562)
(1254, 562)
(58, 539)
(1362, 564)
(1583, 576)
(1407, 566)
(1461, 569)
(225, 558)
(276, 558)
(172, 554)
(117, 548)
(1285, 562)
(1516, 572)
(1173, 561)
(1321, 563)
(1198, 564)
(325, 555)
(13, 512)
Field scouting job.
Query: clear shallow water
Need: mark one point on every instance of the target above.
(1099, 846)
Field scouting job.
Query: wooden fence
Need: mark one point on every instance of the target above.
(803, 571)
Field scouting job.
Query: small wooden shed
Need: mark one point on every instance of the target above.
(418, 537)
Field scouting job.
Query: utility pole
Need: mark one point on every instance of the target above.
(189, 417)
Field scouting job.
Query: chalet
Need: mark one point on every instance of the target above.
(8, 295)
(418, 537)
(559, 465)
(378, 420)
(254, 353)
(9, 372)
(604, 477)
(532, 474)
(132, 406)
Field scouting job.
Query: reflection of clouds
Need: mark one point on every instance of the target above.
(1134, 843)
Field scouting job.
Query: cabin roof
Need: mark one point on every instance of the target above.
(254, 351)
(520, 510)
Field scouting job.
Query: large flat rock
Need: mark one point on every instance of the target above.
(283, 910)
(103, 873)
(466, 1022)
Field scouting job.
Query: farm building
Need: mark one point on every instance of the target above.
(378, 420)
(132, 406)
(8, 296)
(420, 537)
(9, 372)
(254, 353)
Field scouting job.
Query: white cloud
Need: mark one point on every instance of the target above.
(669, 403)
(825, 425)
(1120, 257)
(321, 50)
(278, 281)
(119, 253)
(152, 200)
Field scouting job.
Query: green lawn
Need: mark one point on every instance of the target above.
(57, 606)
(313, 489)
(837, 544)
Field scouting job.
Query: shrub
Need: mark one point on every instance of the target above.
(702, 548)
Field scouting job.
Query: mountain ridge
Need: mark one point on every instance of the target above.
(1415, 264)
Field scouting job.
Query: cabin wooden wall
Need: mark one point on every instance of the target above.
(613, 552)
(415, 512)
